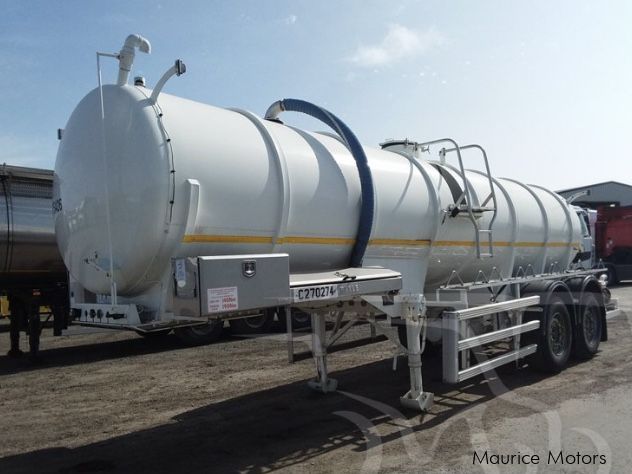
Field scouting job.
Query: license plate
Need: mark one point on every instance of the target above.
(311, 293)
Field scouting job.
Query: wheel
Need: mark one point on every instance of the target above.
(300, 319)
(200, 334)
(253, 325)
(555, 341)
(589, 327)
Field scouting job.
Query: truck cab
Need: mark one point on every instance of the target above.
(585, 258)
(614, 241)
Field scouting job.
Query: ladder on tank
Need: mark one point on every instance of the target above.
(464, 202)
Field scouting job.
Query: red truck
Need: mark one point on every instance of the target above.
(613, 241)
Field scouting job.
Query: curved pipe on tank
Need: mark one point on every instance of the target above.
(177, 69)
(127, 53)
(367, 209)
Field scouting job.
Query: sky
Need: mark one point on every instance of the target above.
(544, 86)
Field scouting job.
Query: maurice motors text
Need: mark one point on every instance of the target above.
(552, 457)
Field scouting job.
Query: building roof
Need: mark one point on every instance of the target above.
(579, 188)
(24, 173)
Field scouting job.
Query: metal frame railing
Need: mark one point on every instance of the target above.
(456, 324)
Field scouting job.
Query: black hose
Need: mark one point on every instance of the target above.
(367, 209)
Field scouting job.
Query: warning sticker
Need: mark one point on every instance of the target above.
(222, 299)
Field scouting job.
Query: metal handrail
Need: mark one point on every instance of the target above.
(492, 191)
(466, 188)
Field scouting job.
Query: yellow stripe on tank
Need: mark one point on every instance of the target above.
(468, 243)
(223, 239)
(400, 242)
(315, 240)
(254, 239)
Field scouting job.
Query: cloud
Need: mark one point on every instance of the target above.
(398, 44)
(290, 20)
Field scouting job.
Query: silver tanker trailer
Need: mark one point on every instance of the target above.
(173, 212)
(32, 273)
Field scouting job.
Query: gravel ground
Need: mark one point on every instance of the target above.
(114, 402)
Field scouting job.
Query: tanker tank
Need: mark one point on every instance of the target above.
(28, 249)
(183, 178)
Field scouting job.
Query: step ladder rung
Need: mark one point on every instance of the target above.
(465, 202)
(498, 335)
(493, 308)
(495, 362)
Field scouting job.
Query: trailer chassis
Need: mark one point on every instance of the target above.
(457, 308)
(465, 316)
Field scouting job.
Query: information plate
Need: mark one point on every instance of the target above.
(316, 292)
(221, 300)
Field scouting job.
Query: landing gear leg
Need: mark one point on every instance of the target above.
(59, 319)
(322, 383)
(15, 323)
(35, 330)
(415, 398)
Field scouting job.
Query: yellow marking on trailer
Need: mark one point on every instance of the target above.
(530, 244)
(254, 239)
(400, 242)
(467, 243)
(223, 239)
(316, 240)
(562, 244)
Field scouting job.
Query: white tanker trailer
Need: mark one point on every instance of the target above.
(170, 212)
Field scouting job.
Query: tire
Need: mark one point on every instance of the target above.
(589, 327)
(253, 325)
(555, 342)
(200, 334)
(300, 320)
